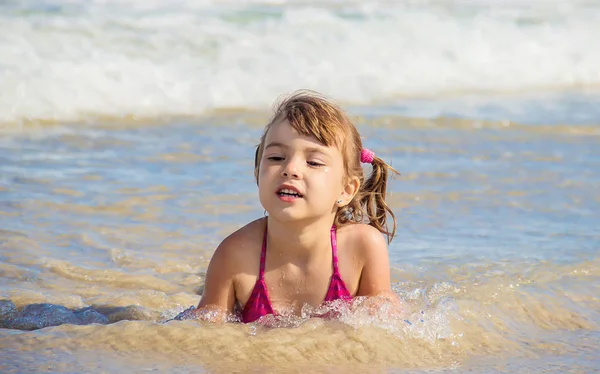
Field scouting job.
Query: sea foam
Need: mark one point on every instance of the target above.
(68, 61)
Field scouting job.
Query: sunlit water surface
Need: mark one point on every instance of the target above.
(121, 169)
(496, 258)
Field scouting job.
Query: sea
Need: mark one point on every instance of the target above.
(127, 137)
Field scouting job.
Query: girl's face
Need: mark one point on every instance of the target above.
(299, 178)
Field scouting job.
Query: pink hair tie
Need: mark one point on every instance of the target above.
(367, 156)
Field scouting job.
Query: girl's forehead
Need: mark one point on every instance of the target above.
(283, 132)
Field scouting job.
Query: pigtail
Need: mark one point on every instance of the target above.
(369, 204)
(372, 198)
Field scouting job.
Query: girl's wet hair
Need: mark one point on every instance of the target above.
(311, 114)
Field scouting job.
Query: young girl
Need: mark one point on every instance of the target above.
(321, 239)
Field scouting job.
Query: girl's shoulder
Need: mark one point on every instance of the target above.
(362, 240)
(247, 233)
(241, 245)
(361, 233)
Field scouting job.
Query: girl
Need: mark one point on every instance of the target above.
(313, 246)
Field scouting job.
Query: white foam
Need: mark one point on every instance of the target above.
(68, 60)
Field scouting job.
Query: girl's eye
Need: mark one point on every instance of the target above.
(275, 158)
(314, 163)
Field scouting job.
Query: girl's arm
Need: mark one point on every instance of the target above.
(375, 276)
(218, 297)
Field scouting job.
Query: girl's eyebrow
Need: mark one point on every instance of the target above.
(276, 144)
(285, 146)
(316, 150)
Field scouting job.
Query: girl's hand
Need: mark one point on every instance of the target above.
(211, 313)
(385, 304)
(189, 313)
(208, 313)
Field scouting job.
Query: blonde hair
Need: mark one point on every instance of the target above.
(311, 114)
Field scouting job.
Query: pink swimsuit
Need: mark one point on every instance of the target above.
(259, 305)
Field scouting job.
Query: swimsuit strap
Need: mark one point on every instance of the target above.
(334, 250)
(263, 255)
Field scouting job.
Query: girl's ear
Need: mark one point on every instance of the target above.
(350, 190)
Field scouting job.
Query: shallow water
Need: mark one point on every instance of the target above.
(127, 134)
(496, 257)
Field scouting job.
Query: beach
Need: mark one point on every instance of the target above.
(127, 139)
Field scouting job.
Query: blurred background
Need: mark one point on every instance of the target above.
(127, 136)
(71, 61)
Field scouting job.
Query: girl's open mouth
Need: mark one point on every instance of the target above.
(286, 192)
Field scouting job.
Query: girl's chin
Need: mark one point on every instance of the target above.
(282, 215)
(287, 215)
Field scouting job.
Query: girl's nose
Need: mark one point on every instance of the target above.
(290, 170)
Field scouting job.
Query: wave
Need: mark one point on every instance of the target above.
(74, 61)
